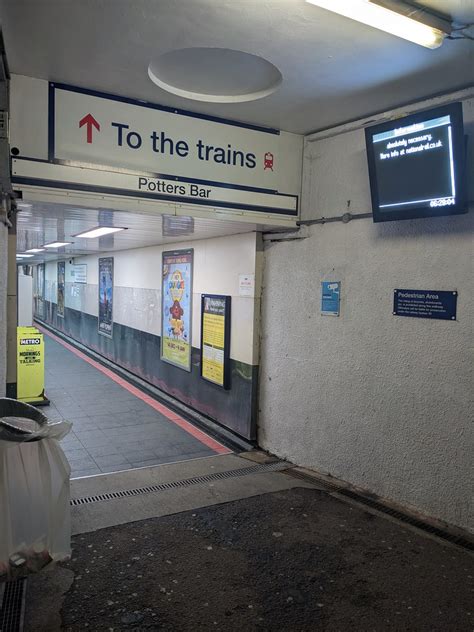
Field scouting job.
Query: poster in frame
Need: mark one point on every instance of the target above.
(106, 296)
(215, 339)
(61, 288)
(40, 291)
(176, 307)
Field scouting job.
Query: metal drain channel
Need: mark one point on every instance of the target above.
(375, 504)
(196, 480)
(12, 609)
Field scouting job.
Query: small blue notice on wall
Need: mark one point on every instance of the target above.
(330, 297)
(425, 304)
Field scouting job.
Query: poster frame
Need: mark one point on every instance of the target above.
(61, 264)
(40, 291)
(227, 331)
(104, 333)
(165, 253)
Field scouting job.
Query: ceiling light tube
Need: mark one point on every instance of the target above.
(100, 231)
(35, 250)
(23, 256)
(57, 244)
(385, 19)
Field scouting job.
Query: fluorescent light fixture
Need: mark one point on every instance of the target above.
(100, 231)
(23, 256)
(35, 250)
(385, 19)
(57, 244)
(24, 206)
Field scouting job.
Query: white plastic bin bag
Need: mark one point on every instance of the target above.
(35, 522)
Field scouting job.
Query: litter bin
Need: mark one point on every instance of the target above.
(35, 524)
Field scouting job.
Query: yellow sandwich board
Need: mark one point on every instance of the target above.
(30, 366)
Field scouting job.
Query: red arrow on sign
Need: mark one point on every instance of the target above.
(90, 121)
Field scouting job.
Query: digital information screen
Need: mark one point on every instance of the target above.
(416, 165)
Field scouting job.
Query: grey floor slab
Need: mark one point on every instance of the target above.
(86, 518)
(156, 475)
(112, 429)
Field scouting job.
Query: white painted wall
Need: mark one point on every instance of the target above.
(137, 287)
(380, 401)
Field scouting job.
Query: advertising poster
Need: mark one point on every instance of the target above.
(215, 339)
(176, 312)
(61, 288)
(106, 295)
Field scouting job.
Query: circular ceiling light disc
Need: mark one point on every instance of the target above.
(215, 75)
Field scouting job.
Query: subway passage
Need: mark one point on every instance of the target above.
(115, 426)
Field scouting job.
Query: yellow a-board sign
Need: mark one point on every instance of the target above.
(30, 366)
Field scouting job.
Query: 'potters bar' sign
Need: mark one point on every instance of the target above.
(165, 153)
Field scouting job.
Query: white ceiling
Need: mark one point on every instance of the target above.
(334, 70)
(43, 223)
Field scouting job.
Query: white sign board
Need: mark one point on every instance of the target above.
(103, 130)
(79, 273)
(110, 144)
(115, 182)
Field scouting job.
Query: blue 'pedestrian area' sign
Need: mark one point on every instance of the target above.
(425, 304)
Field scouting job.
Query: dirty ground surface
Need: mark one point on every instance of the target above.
(292, 560)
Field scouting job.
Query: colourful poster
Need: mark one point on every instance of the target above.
(106, 295)
(61, 288)
(215, 338)
(176, 308)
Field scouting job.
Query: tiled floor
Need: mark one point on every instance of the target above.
(112, 430)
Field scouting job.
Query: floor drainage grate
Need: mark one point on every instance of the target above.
(13, 606)
(197, 480)
(374, 504)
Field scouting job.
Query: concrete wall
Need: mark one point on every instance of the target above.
(381, 401)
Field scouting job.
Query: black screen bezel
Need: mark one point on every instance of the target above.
(454, 110)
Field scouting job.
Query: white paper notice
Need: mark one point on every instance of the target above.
(79, 273)
(246, 284)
